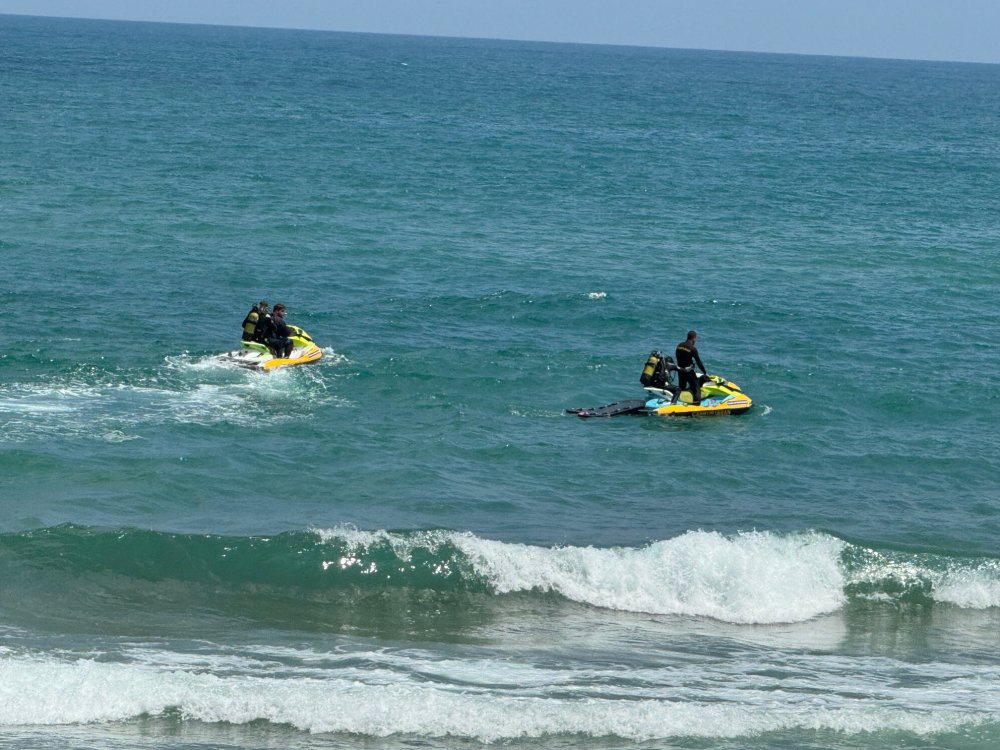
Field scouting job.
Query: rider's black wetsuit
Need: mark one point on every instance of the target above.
(279, 337)
(264, 328)
(687, 379)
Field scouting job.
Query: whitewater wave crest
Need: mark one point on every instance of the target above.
(745, 578)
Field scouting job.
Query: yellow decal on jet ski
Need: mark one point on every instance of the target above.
(310, 354)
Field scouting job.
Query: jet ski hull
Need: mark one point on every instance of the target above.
(706, 408)
(256, 356)
(719, 397)
(254, 360)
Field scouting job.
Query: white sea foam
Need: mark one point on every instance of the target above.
(43, 409)
(45, 691)
(186, 361)
(973, 587)
(27, 407)
(746, 578)
(117, 436)
(754, 577)
(970, 584)
(185, 390)
(331, 357)
(49, 398)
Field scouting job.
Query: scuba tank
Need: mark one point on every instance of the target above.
(658, 371)
(650, 369)
(250, 324)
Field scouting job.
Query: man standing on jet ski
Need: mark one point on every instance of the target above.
(687, 356)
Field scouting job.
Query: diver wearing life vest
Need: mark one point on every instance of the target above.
(252, 321)
(687, 357)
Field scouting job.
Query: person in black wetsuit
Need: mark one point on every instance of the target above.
(250, 322)
(279, 336)
(687, 356)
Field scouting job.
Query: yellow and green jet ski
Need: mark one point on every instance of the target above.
(255, 355)
(718, 396)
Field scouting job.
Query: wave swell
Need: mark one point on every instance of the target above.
(745, 578)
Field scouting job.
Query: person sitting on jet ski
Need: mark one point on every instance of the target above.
(278, 334)
(251, 321)
(687, 356)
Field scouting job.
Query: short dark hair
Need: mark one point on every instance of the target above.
(279, 306)
(692, 334)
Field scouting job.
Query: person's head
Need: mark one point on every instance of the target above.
(279, 310)
(262, 305)
(692, 335)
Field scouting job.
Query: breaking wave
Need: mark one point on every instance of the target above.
(746, 578)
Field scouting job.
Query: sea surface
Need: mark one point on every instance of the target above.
(411, 543)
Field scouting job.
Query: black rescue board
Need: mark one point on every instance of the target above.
(630, 406)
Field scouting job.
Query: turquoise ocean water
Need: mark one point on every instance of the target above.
(410, 543)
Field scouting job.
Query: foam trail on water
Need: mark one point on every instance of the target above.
(184, 389)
